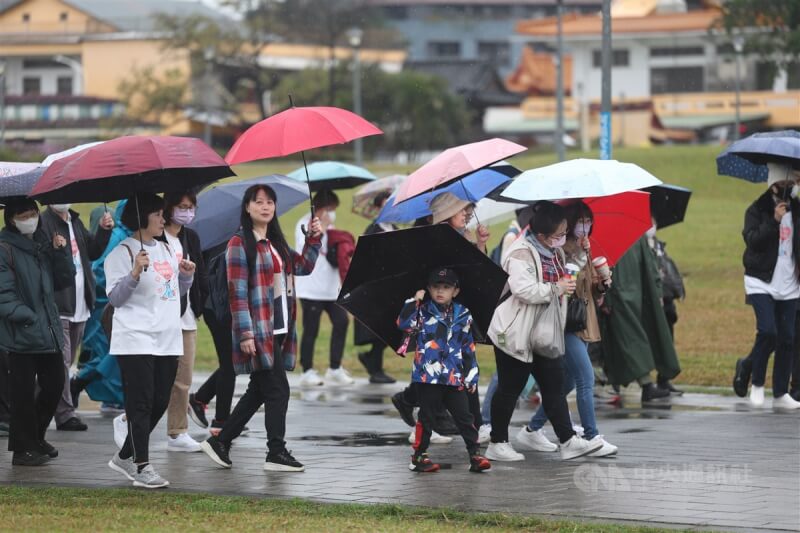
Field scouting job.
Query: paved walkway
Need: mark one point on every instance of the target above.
(706, 462)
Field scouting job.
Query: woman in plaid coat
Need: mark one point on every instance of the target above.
(261, 269)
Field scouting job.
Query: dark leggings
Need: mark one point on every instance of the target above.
(223, 381)
(31, 413)
(411, 397)
(312, 313)
(433, 398)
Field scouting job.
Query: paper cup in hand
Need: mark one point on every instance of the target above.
(572, 270)
(601, 267)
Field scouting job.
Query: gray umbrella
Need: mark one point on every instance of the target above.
(19, 185)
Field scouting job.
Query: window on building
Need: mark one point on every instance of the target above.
(64, 85)
(619, 58)
(26, 17)
(31, 86)
(677, 51)
(42, 62)
(676, 80)
(445, 49)
(497, 52)
(63, 16)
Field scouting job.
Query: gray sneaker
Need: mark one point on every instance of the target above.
(149, 479)
(123, 466)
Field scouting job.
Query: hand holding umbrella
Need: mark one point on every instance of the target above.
(140, 264)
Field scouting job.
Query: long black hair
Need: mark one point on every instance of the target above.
(274, 232)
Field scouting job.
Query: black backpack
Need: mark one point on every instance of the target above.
(497, 251)
(218, 288)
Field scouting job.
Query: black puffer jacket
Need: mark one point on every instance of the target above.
(761, 233)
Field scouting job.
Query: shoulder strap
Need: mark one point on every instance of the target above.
(130, 252)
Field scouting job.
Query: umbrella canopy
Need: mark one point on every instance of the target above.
(364, 197)
(619, 221)
(128, 165)
(333, 175)
(747, 159)
(388, 268)
(472, 188)
(455, 163)
(506, 168)
(12, 168)
(668, 204)
(577, 178)
(490, 212)
(219, 207)
(52, 158)
(298, 129)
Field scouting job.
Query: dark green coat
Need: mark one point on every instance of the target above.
(636, 337)
(29, 321)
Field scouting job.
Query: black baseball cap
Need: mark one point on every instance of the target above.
(443, 275)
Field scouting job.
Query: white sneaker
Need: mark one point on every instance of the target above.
(183, 443)
(607, 449)
(578, 447)
(502, 451)
(484, 433)
(435, 438)
(786, 403)
(578, 429)
(339, 377)
(535, 440)
(757, 396)
(120, 430)
(310, 378)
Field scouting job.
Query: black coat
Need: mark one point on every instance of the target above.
(761, 232)
(89, 247)
(31, 270)
(198, 293)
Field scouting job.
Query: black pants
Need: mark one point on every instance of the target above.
(411, 397)
(512, 374)
(147, 383)
(432, 398)
(31, 413)
(269, 388)
(374, 357)
(671, 312)
(223, 381)
(5, 384)
(312, 313)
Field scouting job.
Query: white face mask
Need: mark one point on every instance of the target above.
(331, 216)
(60, 208)
(27, 227)
(558, 243)
(582, 230)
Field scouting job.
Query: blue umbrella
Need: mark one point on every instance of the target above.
(471, 187)
(747, 159)
(218, 208)
(333, 175)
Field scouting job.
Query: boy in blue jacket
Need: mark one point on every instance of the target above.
(445, 366)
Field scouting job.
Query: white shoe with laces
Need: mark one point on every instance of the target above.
(435, 438)
(484, 433)
(785, 403)
(607, 449)
(578, 447)
(149, 479)
(120, 430)
(757, 396)
(503, 451)
(535, 440)
(339, 377)
(310, 378)
(183, 443)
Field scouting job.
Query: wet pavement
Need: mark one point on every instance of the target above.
(701, 462)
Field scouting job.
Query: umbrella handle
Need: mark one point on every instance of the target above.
(303, 226)
(139, 219)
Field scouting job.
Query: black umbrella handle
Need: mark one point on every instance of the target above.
(303, 226)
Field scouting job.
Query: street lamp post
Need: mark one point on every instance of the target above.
(2, 104)
(354, 36)
(605, 84)
(208, 55)
(560, 82)
(738, 46)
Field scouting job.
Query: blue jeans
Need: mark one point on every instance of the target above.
(486, 406)
(775, 321)
(579, 375)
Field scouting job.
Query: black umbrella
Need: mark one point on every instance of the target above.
(668, 204)
(388, 268)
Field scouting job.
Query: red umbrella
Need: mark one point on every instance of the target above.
(122, 167)
(619, 221)
(455, 163)
(298, 129)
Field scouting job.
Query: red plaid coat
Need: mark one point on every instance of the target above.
(251, 303)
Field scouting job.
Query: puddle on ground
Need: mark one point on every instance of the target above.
(360, 439)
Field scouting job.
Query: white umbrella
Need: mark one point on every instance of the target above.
(50, 159)
(490, 212)
(578, 178)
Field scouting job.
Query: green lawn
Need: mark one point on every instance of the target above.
(715, 326)
(70, 509)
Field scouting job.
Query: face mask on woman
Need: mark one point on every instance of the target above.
(331, 216)
(558, 243)
(582, 230)
(60, 208)
(27, 227)
(182, 216)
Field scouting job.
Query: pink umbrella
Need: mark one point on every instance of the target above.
(455, 163)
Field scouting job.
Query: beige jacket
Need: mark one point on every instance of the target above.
(513, 319)
(585, 290)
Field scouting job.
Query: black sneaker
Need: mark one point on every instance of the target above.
(381, 378)
(406, 410)
(197, 411)
(741, 378)
(283, 462)
(652, 392)
(31, 458)
(73, 424)
(667, 384)
(75, 388)
(48, 449)
(422, 463)
(218, 451)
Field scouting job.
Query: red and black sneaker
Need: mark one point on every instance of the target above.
(422, 463)
(479, 463)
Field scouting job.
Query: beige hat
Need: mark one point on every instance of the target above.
(445, 206)
(778, 172)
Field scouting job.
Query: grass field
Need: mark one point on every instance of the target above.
(69, 509)
(715, 326)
